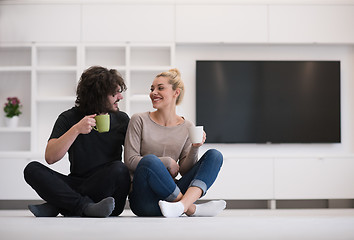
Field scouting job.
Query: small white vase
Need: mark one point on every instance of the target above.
(11, 122)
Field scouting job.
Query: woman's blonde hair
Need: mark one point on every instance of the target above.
(174, 78)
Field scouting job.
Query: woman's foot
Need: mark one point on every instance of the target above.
(209, 209)
(171, 209)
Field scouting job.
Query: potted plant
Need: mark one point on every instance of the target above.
(12, 111)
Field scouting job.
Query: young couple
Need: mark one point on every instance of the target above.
(156, 149)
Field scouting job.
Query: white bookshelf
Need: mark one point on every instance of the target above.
(45, 76)
(15, 81)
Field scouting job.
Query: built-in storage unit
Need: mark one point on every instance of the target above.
(284, 178)
(221, 23)
(128, 22)
(244, 178)
(40, 22)
(311, 24)
(44, 77)
(272, 23)
(16, 81)
(314, 178)
(44, 48)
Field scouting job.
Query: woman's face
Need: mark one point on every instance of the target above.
(114, 99)
(161, 93)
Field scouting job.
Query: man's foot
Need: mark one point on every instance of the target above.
(104, 208)
(44, 210)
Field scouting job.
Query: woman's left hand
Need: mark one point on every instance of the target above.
(200, 144)
(173, 168)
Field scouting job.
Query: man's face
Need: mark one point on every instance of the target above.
(114, 99)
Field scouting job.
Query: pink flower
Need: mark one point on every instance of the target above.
(12, 107)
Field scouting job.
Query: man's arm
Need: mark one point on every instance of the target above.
(58, 147)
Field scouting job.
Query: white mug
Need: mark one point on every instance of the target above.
(196, 134)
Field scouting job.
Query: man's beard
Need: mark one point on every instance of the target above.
(113, 109)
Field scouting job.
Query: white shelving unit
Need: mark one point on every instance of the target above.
(137, 63)
(55, 72)
(144, 64)
(15, 80)
(44, 77)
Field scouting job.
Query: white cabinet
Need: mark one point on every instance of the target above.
(127, 23)
(244, 178)
(284, 179)
(314, 178)
(221, 23)
(12, 183)
(40, 22)
(181, 23)
(311, 24)
(12, 172)
(264, 23)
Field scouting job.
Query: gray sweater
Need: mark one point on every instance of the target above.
(144, 136)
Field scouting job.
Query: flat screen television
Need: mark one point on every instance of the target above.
(269, 101)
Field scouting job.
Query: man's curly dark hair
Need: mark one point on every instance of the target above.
(95, 85)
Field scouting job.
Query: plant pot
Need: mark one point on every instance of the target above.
(11, 122)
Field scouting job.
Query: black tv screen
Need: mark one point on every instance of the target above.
(269, 101)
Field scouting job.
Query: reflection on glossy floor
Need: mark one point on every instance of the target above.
(321, 224)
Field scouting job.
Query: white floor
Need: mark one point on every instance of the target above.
(321, 224)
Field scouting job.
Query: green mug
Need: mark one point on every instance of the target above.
(102, 123)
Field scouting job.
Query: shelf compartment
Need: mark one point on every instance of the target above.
(15, 56)
(105, 56)
(140, 81)
(122, 104)
(56, 56)
(140, 106)
(150, 56)
(17, 84)
(15, 141)
(48, 113)
(122, 73)
(140, 98)
(52, 84)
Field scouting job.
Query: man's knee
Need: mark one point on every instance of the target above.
(31, 169)
(119, 171)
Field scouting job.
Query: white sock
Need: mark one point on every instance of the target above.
(171, 209)
(209, 209)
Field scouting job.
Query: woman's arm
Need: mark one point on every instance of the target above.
(189, 155)
(132, 155)
(58, 147)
